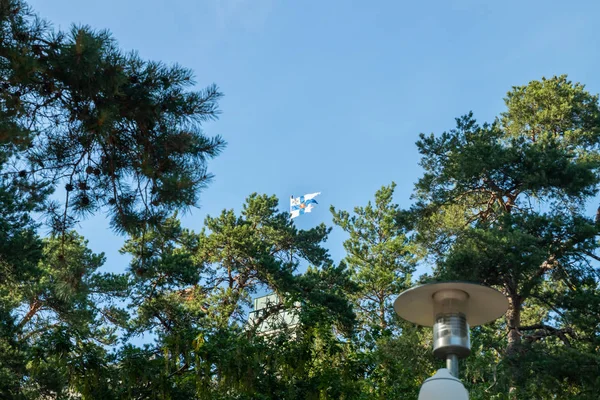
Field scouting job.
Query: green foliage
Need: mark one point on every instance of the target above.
(554, 110)
(504, 204)
(57, 320)
(382, 258)
(193, 292)
(379, 255)
(87, 128)
(117, 132)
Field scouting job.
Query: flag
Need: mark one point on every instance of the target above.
(302, 204)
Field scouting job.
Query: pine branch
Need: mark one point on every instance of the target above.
(33, 309)
(542, 331)
(270, 311)
(591, 255)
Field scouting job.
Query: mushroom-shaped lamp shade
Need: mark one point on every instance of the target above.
(480, 304)
(451, 308)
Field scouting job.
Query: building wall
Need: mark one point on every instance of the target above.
(273, 323)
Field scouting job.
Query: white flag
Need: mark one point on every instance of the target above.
(302, 204)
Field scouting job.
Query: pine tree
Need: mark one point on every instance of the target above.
(504, 204)
(109, 130)
(194, 291)
(58, 316)
(84, 128)
(382, 258)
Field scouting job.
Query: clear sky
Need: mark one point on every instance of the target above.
(331, 95)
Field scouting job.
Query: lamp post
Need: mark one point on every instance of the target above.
(450, 308)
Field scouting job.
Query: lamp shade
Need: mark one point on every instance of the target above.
(443, 386)
(481, 304)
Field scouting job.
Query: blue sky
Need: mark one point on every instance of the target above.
(330, 96)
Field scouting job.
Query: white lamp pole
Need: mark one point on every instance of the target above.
(450, 308)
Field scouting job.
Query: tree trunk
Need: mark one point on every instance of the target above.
(383, 322)
(513, 319)
(33, 309)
